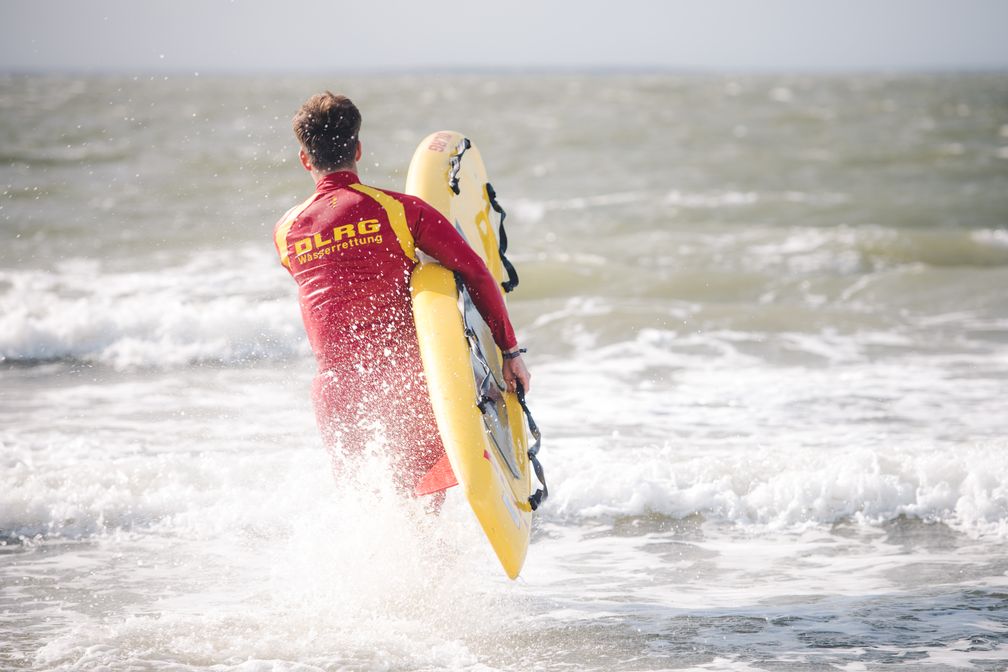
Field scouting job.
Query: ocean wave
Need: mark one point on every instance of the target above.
(774, 489)
(83, 153)
(88, 488)
(202, 495)
(992, 237)
(215, 494)
(776, 433)
(174, 316)
(533, 211)
(848, 250)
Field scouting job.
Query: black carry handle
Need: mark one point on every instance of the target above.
(454, 168)
(502, 241)
(540, 495)
(455, 164)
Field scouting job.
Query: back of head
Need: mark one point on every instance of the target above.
(327, 127)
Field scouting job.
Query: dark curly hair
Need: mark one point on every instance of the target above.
(327, 127)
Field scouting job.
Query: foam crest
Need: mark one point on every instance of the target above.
(197, 312)
(780, 488)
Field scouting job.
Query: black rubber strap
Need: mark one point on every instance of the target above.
(455, 167)
(502, 241)
(540, 495)
(489, 392)
(455, 162)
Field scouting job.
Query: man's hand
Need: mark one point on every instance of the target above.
(515, 372)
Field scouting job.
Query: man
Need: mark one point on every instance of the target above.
(344, 251)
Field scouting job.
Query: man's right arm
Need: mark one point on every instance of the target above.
(435, 235)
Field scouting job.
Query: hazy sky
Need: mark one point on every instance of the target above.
(247, 35)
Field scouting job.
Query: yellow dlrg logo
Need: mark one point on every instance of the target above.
(345, 232)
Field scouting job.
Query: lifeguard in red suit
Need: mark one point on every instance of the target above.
(351, 249)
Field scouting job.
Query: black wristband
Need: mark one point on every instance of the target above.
(513, 354)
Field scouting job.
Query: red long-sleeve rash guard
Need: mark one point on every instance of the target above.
(353, 272)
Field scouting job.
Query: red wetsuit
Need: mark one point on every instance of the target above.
(350, 248)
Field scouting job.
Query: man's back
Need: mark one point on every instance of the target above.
(352, 273)
(351, 249)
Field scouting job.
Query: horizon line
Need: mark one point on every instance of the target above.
(511, 71)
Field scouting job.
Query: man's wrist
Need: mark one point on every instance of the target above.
(513, 353)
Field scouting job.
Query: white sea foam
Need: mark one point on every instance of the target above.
(735, 443)
(711, 200)
(349, 570)
(533, 211)
(678, 424)
(527, 210)
(195, 312)
(782, 487)
(996, 237)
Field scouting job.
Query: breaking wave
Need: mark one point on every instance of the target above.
(192, 313)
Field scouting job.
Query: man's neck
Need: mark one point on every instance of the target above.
(318, 175)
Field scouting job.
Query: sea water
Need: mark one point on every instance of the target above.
(767, 324)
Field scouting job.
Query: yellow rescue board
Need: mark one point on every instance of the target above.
(488, 448)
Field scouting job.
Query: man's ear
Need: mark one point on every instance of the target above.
(359, 152)
(305, 160)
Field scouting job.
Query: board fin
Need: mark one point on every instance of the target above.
(438, 477)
